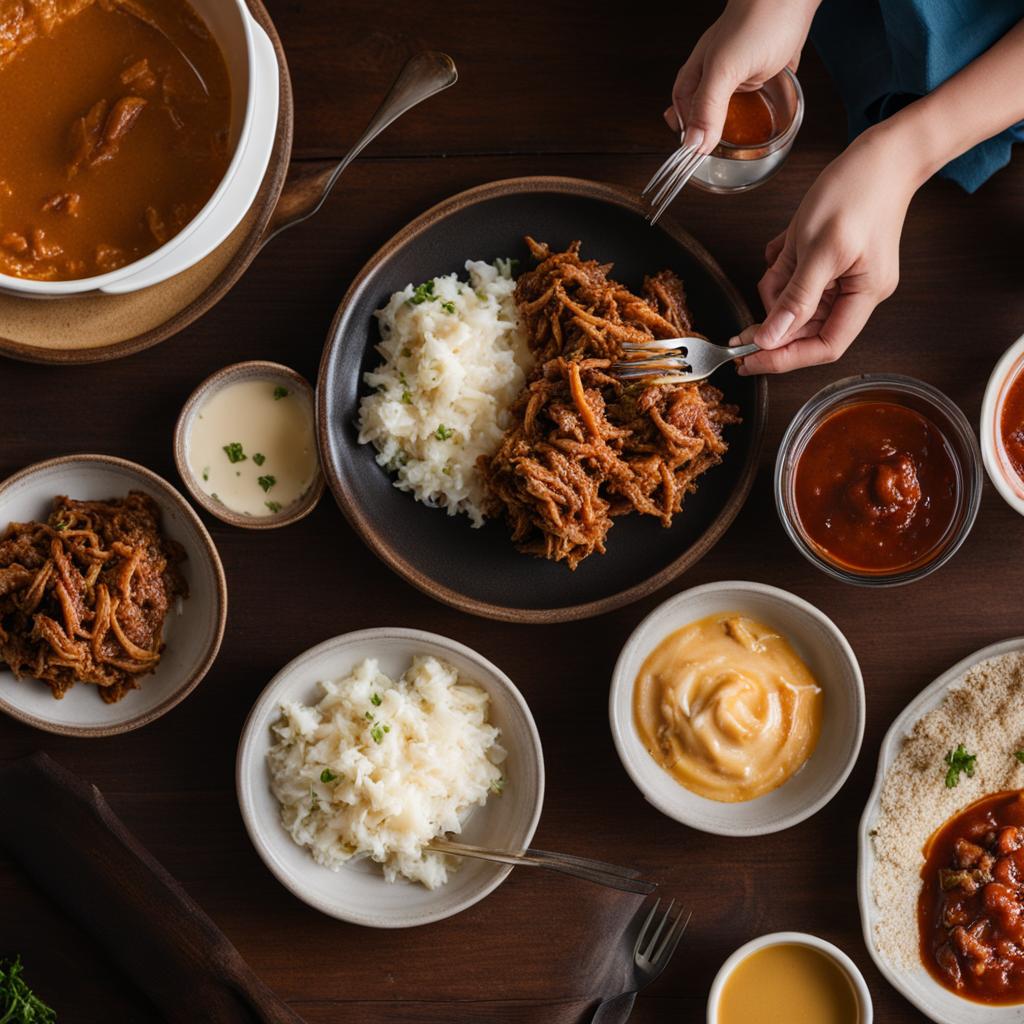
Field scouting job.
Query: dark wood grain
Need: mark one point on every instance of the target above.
(545, 89)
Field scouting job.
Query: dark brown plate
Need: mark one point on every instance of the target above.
(480, 571)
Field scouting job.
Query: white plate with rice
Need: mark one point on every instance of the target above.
(979, 702)
(326, 748)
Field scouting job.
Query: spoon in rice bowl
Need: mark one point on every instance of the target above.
(597, 871)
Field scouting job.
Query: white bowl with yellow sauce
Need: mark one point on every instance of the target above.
(789, 977)
(245, 446)
(737, 708)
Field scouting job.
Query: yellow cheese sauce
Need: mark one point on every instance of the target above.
(787, 984)
(727, 707)
(251, 446)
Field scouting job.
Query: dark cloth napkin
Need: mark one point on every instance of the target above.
(67, 839)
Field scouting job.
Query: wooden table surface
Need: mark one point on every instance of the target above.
(544, 89)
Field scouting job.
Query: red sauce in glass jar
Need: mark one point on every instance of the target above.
(750, 120)
(1011, 424)
(876, 488)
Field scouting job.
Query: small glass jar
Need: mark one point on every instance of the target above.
(898, 390)
(732, 168)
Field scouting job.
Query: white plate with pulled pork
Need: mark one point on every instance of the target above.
(470, 428)
(112, 596)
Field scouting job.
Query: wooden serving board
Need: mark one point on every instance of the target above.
(96, 328)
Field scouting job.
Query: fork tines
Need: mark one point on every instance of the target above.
(670, 179)
(648, 947)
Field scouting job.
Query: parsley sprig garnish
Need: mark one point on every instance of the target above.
(958, 761)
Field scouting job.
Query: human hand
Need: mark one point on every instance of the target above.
(752, 41)
(837, 260)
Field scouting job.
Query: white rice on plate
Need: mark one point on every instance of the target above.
(454, 358)
(379, 768)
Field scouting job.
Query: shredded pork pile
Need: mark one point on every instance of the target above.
(84, 595)
(583, 447)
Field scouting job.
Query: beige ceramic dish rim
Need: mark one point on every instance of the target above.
(298, 509)
(158, 483)
(823, 946)
(1007, 370)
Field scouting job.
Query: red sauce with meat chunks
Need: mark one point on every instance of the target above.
(1011, 425)
(750, 120)
(876, 488)
(971, 908)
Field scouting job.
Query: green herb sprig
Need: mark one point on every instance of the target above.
(18, 1003)
(266, 482)
(422, 293)
(235, 452)
(958, 761)
(280, 392)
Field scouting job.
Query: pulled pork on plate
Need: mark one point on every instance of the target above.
(584, 447)
(84, 595)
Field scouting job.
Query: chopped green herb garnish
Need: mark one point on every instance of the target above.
(498, 785)
(234, 452)
(274, 506)
(18, 1003)
(481, 295)
(447, 470)
(280, 392)
(958, 761)
(314, 801)
(369, 716)
(377, 732)
(376, 699)
(206, 472)
(406, 397)
(422, 293)
(327, 775)
(443, 433)
(1019, 754)
(259, 458)
(448, 307)
(61, 526)
(266, 482)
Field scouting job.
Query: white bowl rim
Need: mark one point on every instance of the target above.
(843, 960)
(988, 427)
(267, 697)
(774, 593)
(175, 497)
(76, 286)
(927, 699)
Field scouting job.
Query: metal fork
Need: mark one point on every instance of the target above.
(675, 360)
(651, 953)
(597, 871)
(671, 178)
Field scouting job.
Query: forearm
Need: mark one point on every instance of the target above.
(980, 101)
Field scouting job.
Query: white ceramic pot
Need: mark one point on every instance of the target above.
(252, 68)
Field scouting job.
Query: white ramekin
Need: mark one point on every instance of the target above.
(993, 454)
(845, 964)
(253, 70)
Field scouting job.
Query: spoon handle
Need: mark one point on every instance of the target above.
(423, 76)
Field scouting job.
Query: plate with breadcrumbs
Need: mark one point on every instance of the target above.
(472, 427)
(941, 833)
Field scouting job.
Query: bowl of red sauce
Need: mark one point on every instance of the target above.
(878, 479)
(760, 127)
(1002, 426)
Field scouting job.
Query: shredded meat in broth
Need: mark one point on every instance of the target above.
(583, 447)
(84, 595)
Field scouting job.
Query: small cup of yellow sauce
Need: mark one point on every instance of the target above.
(245, 446)
(789, 977)
(737, 708)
